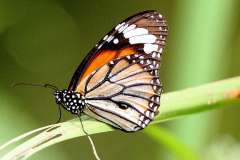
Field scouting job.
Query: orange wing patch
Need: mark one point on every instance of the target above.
(105, 57)
(101, 59)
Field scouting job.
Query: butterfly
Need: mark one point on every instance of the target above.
(118, 81)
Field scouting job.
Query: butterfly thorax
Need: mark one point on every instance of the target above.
(72, 101)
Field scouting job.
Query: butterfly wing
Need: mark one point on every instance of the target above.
(119, 77)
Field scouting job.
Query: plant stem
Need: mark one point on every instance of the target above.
(173, 105)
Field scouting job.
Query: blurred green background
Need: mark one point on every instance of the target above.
(43, 41)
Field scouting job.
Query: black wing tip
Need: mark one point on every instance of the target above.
(148, 13)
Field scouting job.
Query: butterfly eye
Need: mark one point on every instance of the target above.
(123, 105)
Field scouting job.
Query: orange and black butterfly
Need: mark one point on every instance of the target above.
(118, 81)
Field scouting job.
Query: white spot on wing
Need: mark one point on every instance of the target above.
(154, 54)
(147, 113)
(147, 121)
(123, 27)
(115, 41)
(136, 32)
(109, 38)
(149, 48)
(119, 25)
(100, 46)
(105, 37)
(129, 28)
(160, 50)
(142, 39)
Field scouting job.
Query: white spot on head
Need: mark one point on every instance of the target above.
(115, 41)
(135, 32)
(129, 28)
(142, 39)
(149, 48)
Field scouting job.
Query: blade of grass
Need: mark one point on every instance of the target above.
(170, 142)
(173, 105)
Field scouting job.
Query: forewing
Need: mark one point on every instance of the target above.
(144, 32)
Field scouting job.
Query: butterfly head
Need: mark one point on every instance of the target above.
(70, 100)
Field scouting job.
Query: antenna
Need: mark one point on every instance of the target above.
(36, 85)
(50, 86)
